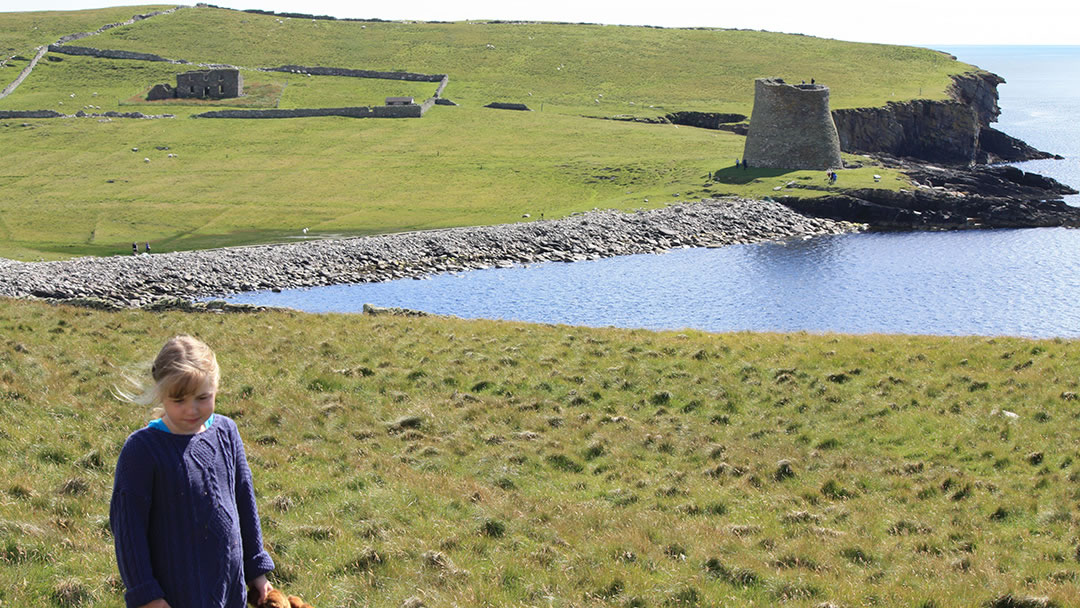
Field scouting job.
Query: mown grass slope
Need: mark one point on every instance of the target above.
(77, 187)
(491, 464)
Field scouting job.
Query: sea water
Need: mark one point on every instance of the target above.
(1040, 102)
(1022, 282)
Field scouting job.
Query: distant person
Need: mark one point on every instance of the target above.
(745, 164)
(811, 81)
(134, 248)
(183, 515)
(147, 246)
(736, 163)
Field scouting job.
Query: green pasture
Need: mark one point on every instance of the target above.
(78, 186)
(22, 32)
(478, 463)
(69, 83)
(252, 181)
(567, 68)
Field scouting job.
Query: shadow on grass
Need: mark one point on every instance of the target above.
(732, 175)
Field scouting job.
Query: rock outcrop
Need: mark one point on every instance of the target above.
(704, 120)
(950, 198)
(954, 131)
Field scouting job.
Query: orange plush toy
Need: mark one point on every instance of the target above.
(276, 599)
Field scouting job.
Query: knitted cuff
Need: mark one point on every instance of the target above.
(257, 565)
(143, 594)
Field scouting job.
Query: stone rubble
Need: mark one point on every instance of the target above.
(166, 280)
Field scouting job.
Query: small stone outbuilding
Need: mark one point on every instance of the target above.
(221, 83)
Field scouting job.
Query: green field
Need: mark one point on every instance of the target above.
(75, 187)
(22, 32)
(559, 466)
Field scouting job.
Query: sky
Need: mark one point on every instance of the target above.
(913, 22)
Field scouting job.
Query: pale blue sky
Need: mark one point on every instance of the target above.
(916, 22)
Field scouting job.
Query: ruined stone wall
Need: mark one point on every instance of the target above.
(791, 127)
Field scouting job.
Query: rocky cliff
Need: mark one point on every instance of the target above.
(954, 131)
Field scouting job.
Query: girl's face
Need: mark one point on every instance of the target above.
(187, 414)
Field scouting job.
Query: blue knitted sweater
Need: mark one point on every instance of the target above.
(184, 520)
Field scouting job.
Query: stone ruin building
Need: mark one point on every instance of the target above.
(791, 127)
(214, 84)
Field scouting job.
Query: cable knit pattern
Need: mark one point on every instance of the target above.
(184, 520)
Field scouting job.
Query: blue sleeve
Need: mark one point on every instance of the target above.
(129, 518)
(256, 560)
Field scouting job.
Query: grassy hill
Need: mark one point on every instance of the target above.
(77, 187)
(478, 463)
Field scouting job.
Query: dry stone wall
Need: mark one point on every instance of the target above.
(134, 18)
(88, 51)
(324, 71)
(410, 111)
(30, 114)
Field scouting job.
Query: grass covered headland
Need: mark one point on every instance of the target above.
(84, 186)
(477, 463)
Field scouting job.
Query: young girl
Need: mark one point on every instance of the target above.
(183, 509)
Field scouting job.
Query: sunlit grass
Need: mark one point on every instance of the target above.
(473, 462)
(87, 187)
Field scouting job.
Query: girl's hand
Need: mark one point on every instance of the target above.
(158, 603)
(257, 589)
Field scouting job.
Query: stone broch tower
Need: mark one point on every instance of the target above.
(791, 127)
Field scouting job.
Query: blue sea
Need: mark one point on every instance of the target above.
(1040, 101)
(994, 282)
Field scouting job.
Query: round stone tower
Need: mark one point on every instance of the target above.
(791, 127)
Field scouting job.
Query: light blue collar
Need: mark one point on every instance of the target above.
(160, 425)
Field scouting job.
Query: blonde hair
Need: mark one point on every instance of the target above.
(182, 367)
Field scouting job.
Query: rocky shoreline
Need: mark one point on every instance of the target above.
(175, 280)
(951, 198)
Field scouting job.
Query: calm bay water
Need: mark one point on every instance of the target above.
(993, 282)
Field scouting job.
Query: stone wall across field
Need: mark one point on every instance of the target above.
(88, 51)
(134, 18)
(409, 111)
(4, 114)
(324, 71)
